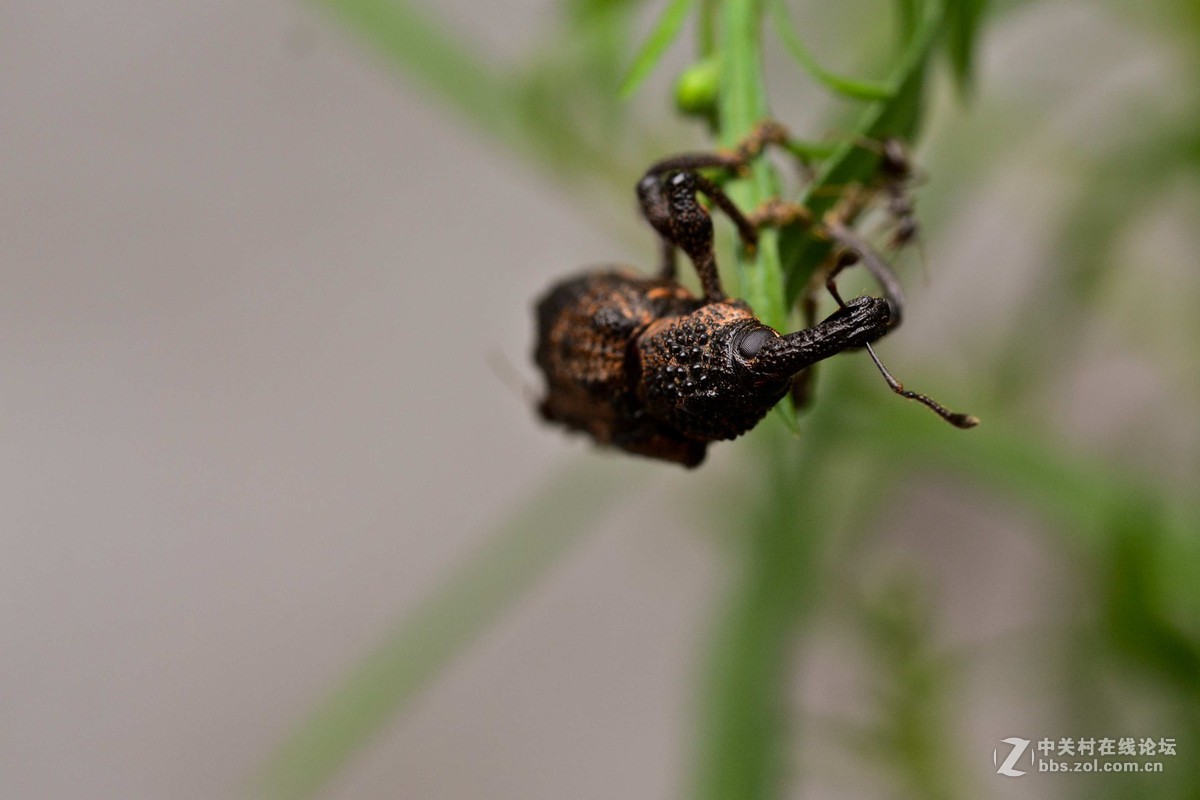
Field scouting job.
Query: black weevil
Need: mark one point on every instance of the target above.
(642, 364)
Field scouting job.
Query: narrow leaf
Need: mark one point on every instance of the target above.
(854, 88)
(963, 20)
(899, 115)
(656, 44)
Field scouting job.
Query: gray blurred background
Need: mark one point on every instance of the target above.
(252, 285)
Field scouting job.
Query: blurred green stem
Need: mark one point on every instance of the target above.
(747, 736)
(742, 104)
(741, 751)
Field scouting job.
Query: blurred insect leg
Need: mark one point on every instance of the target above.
(689, 162)
(838, 232)
(747, 231)
(765, 132)
(669, 268)
(778, 213)
(735, 159)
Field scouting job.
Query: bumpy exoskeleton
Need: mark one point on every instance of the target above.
(642, 364)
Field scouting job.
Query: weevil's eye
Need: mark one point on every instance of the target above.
(753, 341)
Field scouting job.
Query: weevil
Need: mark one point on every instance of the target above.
(642, 364)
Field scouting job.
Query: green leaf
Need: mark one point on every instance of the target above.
(415, 651)
(854, 88)
(908, 14)
(664, 32)
(963, 21)
(744, 742)
(506, 105)
(742, 103)
(899, 115)
(437, 57)
(1139, 618)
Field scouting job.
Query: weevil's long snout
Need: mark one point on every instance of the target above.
(860, 322)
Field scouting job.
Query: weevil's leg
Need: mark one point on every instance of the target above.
(667, 193)
(906, 229)
(652, 187)
(735, 159)
(778, 213)
(689, 162)
(896, 162)
(653, 196)
(804, 387)
(657, 209)
(766, 132)
(670, 207)
(747, 231)
(842, 235)
(895, 158)
(668, 269)
(954, 418)
(831, 277)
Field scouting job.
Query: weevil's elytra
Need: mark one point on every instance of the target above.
(642, 364)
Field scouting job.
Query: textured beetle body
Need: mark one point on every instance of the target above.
(641, 364)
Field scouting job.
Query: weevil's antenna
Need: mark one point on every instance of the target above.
(954, 418)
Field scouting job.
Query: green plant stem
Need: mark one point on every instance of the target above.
(744, 752)
(741, 750)
(741, 753)
(742, 104)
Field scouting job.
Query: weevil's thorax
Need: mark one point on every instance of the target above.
(693, 379)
